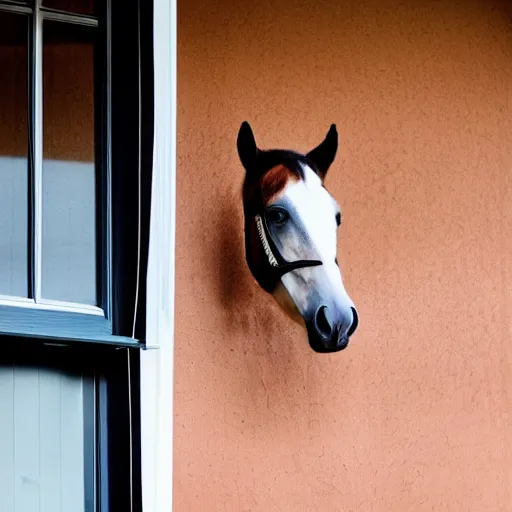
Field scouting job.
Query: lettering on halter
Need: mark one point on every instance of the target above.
(266, 247)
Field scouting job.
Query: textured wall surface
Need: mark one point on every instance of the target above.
(415, 414)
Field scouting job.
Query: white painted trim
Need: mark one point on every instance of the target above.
(157, 362)
(50, 305)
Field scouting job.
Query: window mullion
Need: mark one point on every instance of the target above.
(38, 149)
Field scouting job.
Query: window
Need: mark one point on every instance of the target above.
(76, 149)
(73, 227)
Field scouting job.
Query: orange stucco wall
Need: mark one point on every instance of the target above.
(415, 414)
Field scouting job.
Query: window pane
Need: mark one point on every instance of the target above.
(13, 154)
(69, 197)
(74, 6)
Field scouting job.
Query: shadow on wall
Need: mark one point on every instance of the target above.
(263, 358)
(260, 344)
(247, 308)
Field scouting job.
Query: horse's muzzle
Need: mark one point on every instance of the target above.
(329, 330)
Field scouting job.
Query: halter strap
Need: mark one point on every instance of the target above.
(276, 261)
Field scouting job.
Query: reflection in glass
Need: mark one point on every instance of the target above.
(69, 196)
(13, 154)
(73, 6)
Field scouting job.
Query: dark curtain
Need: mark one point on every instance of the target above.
(125, 159)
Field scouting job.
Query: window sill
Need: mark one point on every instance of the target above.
(60, 326)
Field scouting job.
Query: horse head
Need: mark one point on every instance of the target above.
(291, 223)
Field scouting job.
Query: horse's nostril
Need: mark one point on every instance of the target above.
(355, 321)
(323, 322)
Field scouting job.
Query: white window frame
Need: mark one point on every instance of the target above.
(39, 15)
(157, 359)
(37, 317)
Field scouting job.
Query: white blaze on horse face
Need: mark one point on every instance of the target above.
(317, 212)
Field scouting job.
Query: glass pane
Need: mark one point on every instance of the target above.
(73, 6)
(69, 197)
(13, 154)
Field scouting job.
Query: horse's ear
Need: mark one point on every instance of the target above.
(323, 155)
(246, 144)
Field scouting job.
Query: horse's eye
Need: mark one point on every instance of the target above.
(338, 218)
(277, 216)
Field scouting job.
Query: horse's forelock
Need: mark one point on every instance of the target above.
(275, 180)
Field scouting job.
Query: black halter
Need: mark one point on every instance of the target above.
(273, 265)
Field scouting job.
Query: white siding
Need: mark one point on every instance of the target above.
(6, 438)
(41, 439)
